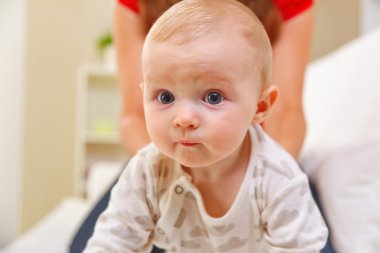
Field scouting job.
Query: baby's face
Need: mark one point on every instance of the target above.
(200, 97)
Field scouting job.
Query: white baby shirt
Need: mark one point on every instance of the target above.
(154, 202)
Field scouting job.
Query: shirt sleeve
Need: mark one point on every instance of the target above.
(131, 4)
(127, 223)
(292, 220)
(288, 8)
(291, 8)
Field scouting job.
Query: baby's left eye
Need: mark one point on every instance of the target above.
(214, 98)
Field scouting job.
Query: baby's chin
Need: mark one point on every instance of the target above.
(191, 156)
(195, 162)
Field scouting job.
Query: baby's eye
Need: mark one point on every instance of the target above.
(214, 98)
(165, 97)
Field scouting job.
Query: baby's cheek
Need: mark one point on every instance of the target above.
(152, 124)
(225, 135)
(153, 128)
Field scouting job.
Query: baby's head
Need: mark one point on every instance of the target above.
(207, 69)
(190, 20)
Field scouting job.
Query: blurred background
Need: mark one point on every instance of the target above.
(59, 97)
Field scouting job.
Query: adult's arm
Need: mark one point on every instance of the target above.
(286, 123)
(129, 38)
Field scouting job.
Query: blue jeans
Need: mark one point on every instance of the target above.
(328, 247)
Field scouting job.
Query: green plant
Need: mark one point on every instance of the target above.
(104, 41)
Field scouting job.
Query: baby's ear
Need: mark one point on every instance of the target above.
(265, 103)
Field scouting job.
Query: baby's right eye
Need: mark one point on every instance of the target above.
(165, 97)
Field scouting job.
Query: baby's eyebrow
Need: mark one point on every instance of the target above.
(217, 79)
(152, 81)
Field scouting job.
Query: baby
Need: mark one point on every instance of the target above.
(212, 180)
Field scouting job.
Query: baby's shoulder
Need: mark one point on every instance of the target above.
(284, 167)
(272, 178)
(272, 159)
(274, 170)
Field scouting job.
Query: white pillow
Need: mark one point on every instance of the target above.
(342, 96)
(348, 180)
(342, 146)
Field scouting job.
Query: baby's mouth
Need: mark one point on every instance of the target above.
(188, 143)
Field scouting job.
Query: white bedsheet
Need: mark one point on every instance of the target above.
(54, 233)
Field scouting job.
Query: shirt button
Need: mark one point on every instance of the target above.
(178, 189)
(161, 231)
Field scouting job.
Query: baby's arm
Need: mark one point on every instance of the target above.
(126, 225)
(293, 221)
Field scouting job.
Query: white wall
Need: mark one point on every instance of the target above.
(61, 35)
(336, 22)
(12, 25)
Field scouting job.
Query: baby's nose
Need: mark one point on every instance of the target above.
(186, 116)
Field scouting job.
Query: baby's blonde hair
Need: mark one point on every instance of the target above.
(188, 20)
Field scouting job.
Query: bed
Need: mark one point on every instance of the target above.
(54, 233)
(341, 154)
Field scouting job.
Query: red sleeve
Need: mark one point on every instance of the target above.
(291, 8)
(287, 8)
(130, 4)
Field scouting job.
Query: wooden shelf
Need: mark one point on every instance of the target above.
(98, 110)
(109, 138)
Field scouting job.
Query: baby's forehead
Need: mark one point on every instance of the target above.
(232, 35)
(200, 59)
(215, 46)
